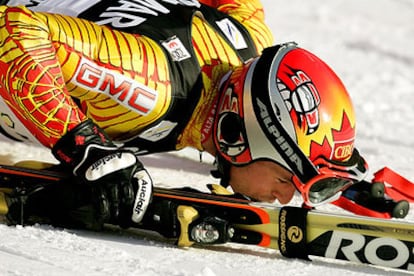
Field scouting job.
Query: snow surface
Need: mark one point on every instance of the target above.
(369, 43)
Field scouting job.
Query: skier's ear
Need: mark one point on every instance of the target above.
(231, 127)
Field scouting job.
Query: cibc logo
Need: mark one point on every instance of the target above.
(342, 149)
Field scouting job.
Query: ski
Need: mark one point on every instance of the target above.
(192, 217)
(296, 232)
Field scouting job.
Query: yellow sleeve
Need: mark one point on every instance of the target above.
(250, 13)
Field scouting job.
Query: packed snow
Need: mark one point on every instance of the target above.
(370, 44)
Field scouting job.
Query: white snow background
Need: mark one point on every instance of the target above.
(369, 43)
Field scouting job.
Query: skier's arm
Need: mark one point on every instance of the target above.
(32, 81)
(33, 85)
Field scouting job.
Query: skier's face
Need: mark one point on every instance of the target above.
(263, 181)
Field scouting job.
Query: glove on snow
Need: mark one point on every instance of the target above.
(121, 187)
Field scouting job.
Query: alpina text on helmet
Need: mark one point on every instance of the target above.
(279, 138)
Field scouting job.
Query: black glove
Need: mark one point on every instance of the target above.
(121, 187)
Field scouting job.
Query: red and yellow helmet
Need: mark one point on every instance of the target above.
(289, 107)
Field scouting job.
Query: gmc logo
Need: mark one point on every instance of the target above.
(120, 88)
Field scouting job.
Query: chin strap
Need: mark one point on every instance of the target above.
(222, 171)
